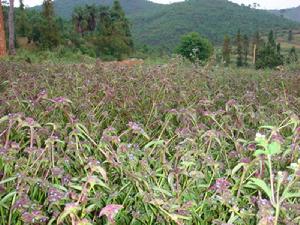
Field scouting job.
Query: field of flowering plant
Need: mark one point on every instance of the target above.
(174, 144)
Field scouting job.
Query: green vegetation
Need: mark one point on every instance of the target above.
(89, 135)
(292, 57)
(104, 31)
(269, 55)
(292, 13)
(226, 50)
(194, 47)
(163, 25)
(173, 144)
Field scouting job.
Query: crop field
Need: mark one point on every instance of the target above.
(174, 144)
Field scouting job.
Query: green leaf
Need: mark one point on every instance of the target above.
(154, 143)
(289, 195)
(274, 148)
(259, 152)
(3, 119)
(7, 180)
(7, 197)
(237, 168)
(261, 184)
(162, 191)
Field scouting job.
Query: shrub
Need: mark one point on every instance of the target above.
(195, 47)
(269, 56)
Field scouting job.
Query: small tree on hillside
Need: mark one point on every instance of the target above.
(194, 47)
(292, 57)
(22, 25)
(49, 31)
(246, 45)
(269, 56)
(239, 49)
(114, 38)
(256, 45)
(226, 51)
(290, 36)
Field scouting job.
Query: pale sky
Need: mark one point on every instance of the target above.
(265, 4)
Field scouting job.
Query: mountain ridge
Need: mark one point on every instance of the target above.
(162, 25)
(290, 13)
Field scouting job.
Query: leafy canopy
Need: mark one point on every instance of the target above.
(195, 47)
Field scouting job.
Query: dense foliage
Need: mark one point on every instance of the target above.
(106, 31)
(194, 47)
(269, 55)
(292, 13)
(172, 144)
(163, 25)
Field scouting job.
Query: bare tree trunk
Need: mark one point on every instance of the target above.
(2, 34)
(254, 54)
(11, 28)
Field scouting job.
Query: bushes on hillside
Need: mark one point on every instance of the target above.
(195, 47)
(269, 56)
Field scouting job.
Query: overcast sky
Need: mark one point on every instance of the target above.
(266, 4)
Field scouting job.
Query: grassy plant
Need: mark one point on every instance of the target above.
(171, 144)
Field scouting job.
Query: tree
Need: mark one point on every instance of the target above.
(246, 45)
(292, 57)
(50, 36)
(2, 33)
(290, 36)
(269, 56)
(226, 51)
(11, 27)
(256, 44)
(22, 26)
(239, 50)
(195, 47)
(114, 35)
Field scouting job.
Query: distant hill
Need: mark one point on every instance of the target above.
(162, 25)
(292, 13)
(64, 8)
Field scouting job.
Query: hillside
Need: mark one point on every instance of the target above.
(292, 13)
(64, 8)
(162, 25)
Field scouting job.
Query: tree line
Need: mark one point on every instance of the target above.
(97, 31)
(102, 31)
(265, 53)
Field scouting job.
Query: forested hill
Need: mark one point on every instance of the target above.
(162, 25)
(64, 8)
(292, 13)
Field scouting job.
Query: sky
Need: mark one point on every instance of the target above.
(265, 4)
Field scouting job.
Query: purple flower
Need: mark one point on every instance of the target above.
(22, 203)
(3, 151)
(231, 102)
(136, 128)
(221, 185)
(57, 172)
(65, 180)
(30, 121)
(245, 160)
(277, 137)
(35, 217)
(110, 211)
(61, 100)
(251, 147)
(55, 195)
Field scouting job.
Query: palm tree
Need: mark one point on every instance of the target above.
(11, 28)
(2, 33)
